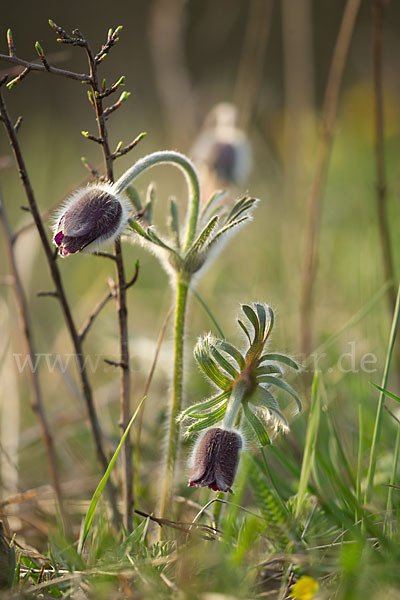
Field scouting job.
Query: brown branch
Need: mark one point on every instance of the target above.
(98, 94)
(321, 169)
(110, 90)
(55, 274)
(93, 138)
(36, 399)
(125, 377)
(96, 311)
(46, 294)
(120, 152)
(92, 170)
(34, 66)
(381, 188)
(115, 363)
(184, 526)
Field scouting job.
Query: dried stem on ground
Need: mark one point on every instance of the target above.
(321, 170)
(381, 187)
(98, 93)
(36, 398)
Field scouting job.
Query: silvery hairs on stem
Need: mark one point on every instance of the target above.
(246, 380)
(100, 213)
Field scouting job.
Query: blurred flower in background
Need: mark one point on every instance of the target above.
(222, 150)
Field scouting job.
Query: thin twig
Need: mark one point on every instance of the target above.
(55, 274)
(34, 66)
(145, 394)
(125, 381)
(96, 311)
(122, 151)
(381, 188)
(321, 169)
(36, 398)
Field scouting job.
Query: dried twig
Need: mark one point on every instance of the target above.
(55, 274)
(36, 398)
(381, 188)
(96, 97)
(321, 169)
(125, 408)
(34, 66)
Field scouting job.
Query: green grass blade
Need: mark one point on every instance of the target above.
(311, 440)
(360, 457)
(99, 490)
(389, 394)
(379, 411)
(208, 311)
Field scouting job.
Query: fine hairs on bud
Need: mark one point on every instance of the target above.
(215, 459)
(90, 217)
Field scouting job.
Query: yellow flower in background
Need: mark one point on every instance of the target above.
(305, 588)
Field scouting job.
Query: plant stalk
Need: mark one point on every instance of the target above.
(234, 404)
(182, 288)
(321, 171)
(378, 418)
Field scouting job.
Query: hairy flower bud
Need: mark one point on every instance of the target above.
(90, 217)
(215, 459)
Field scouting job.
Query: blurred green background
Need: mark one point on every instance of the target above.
(179, 59)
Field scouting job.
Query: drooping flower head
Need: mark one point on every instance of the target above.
(90, 217)
(215, 459)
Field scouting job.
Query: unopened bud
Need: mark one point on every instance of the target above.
(215, 459)
(92, 216)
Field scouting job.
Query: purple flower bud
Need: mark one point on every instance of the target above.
(90, 217)
(215, 459)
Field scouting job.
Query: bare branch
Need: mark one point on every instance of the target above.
(37, 398)
(96, 311)
(45, 294)
(34, 66)
(55, 274)
(88, 136)
(120, 152)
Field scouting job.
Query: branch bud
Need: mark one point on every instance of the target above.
(124, 96)
(39, 50)
(10, 42)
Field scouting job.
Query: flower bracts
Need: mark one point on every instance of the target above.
(253, 375)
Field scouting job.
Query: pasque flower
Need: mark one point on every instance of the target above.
(215, 459)
(90, 217)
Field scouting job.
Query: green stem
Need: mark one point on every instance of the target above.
(234, 404)
(182, 288)
(389, 504)
(359, 461)
(378, 419)
(184, 164)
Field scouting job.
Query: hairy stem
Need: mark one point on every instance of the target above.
(167, 486)
(187, 168)
(235, 402)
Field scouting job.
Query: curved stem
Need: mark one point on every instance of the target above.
(187, 168)
(182, 288)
